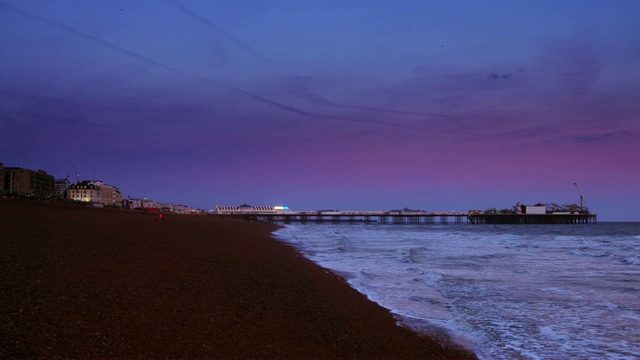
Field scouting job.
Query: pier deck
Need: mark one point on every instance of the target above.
(419, 218)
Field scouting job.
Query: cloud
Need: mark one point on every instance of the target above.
(497, 76)
(220, 30)
(574, 69)
(610, 137)
(250, 95)
(317, 99)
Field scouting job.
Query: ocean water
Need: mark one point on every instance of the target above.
(502, 291)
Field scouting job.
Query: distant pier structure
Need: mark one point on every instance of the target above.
(536, 214)
(532, 219)
(520, 214)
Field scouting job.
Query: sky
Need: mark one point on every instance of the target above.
(348, 105)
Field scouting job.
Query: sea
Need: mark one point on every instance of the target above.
(501, 291)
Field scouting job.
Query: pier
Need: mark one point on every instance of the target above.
(361, 217)
(370, 218)
(519, 214)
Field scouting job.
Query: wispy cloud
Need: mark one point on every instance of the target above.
(148, 60)
(317, 99)
(220, 30)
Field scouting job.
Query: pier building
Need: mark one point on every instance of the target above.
(248, 209)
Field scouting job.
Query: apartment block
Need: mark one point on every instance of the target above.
(21, 181)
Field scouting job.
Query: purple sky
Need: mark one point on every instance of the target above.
(350, 105)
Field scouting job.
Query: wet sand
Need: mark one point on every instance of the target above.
(84, 282)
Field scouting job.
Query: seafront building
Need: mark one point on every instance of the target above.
(110, 194)
(140, 203)
(182, 209)
(15, 181)
(84, 191)
(19, 181)
(155, 206)
(60, 188)
(95, 192)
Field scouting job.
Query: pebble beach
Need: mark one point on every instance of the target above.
(84, 282)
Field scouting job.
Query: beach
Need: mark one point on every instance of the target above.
(84, 282)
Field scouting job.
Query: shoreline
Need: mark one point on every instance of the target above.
(94, 282)
(419, 325)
